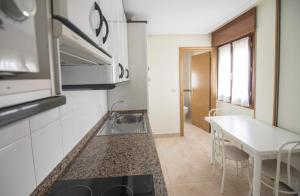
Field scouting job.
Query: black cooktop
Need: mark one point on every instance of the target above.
(141, 185)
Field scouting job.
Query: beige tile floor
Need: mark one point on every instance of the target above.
(187, 170)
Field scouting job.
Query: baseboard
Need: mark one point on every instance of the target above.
(167, 134)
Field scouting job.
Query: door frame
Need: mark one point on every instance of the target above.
(213, 78)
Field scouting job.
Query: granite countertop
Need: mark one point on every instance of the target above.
(118, 155)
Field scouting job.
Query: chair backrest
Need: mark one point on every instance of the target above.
(216, 111)
(218, 140)
(288, 148)
(212, 112)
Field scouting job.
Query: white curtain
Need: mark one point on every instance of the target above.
(224, 73)
(241, 72)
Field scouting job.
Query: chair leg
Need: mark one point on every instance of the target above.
(237, 168)
(249, 177)
(223, 177)
(250, 191)
(249, 174)
(214, 165)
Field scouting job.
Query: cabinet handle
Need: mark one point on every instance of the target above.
(107, 30)
(97, 8)
(122, 71)
(127, 71)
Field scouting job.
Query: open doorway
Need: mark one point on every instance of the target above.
(197, 86)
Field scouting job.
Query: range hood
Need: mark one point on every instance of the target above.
(76, 48)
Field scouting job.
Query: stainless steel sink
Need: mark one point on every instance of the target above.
(124, 124)
(129, 118)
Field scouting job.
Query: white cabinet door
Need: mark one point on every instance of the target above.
(16, 168)
(123, 40)
(105, 37)
(81, 13)
(47, 149)
(115, 39)
(127, 74)
(121, 37)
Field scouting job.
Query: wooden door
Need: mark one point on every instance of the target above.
(200, 89)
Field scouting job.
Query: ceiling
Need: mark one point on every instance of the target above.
(185, 16)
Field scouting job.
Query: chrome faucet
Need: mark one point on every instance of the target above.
(112, 113)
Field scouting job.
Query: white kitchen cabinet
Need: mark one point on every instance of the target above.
(82, 14)
(122, 39)
(121, 45)
(16, 168)
(106, 7)
(116, 45)
(117, 31)
(125, 49)
(47, 149)
(118, 35)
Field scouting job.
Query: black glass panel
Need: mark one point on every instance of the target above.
(141, 185)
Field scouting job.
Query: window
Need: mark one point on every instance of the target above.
(235, 73)
(224, 73)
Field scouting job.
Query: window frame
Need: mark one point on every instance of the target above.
(251, 87)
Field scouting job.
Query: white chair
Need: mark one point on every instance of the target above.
(216, 111)
(212, 113)
(286, 177)
(223, 152)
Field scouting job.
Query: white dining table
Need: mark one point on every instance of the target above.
(258, 139)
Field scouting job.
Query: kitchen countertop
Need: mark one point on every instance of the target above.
(21, 111)
(118, 155)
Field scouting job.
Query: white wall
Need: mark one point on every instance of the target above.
(230, 109)
(265, 60)
(289, 80)
(134, 92)
(163, 60)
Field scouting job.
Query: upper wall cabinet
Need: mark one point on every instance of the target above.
(84, 15)
(117, 36)
(113, 39)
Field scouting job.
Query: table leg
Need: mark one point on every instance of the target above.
(256, 175)
(212, 157)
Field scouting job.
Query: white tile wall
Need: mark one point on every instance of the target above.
(13, 132)
(16, 168)
(43, 119)
(31, 148)
(70, 132)
(47, 149)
